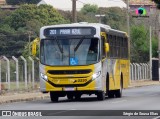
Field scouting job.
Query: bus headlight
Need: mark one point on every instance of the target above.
(96, 75)
(45, 77)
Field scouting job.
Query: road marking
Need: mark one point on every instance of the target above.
(157, 117)
(119, 101)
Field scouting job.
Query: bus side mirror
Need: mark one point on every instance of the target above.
(34, 49)
(106, 47)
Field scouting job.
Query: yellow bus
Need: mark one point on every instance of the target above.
(83, 58)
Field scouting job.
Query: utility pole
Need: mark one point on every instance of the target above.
(74, 13)
(128, 24)
(150, 49)
(128, 29)
(159, 44)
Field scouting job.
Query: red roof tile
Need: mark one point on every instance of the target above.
(141, 2)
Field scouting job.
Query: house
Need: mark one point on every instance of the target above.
(2, 2)
(4, 6)
(149, 5)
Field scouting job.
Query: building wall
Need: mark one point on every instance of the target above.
(2, 2)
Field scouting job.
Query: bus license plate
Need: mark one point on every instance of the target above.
(69, 89)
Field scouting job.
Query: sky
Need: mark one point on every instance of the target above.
(67, 4)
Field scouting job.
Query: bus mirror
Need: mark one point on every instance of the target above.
(106, 47)
(34, 48)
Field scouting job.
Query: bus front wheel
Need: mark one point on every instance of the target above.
(101, 95)
(70, 96)
(77, 96)
(54, 97)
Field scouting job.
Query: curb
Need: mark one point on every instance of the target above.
(14, 98)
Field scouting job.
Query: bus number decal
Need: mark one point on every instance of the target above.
(52, 32)
(82, 80)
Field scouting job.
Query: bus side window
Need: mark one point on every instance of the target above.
(103, 48)
(114, 47)
(111, 45)
(108, 41)
(118, 46)
(126, 47)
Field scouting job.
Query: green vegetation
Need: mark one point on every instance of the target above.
(140, 44)
(18, 2)
(17, 25)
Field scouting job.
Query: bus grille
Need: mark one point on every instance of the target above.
(59, 72)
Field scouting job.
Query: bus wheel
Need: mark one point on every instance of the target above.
(77, 96)
(70, 96)
(54, 97)
(101, 95)
(110, 94)
(118, 93)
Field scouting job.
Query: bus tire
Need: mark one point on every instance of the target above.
(70, 96)
(77, 96)
(53, 97)
(118, 93)
(101, 95)
(110, 94)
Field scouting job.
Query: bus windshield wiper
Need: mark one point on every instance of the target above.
(80, 42)
(61, 49)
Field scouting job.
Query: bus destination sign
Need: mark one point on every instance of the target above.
(69, 31)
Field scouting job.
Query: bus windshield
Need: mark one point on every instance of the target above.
(65, 52)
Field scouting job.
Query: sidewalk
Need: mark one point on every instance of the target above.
(36, 95)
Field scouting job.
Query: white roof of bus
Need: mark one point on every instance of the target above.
(81, 24)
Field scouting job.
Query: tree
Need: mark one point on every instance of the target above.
(89, 9)
(18, 2)
(114, 17)
(44, 14)
(16, 26)
(140, 44)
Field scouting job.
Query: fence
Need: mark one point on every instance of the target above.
(139, 71)
(19, 73)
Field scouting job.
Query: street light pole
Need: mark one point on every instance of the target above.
(159, 45)
(100, 16)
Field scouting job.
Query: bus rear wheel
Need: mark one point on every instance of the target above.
(77, 96)
(101, 95)
(110, 94)
(118, 93)
(53, 97)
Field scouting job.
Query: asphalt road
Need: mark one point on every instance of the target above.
(141, 100)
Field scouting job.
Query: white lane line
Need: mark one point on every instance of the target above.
(120, 101)
(157, 117)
